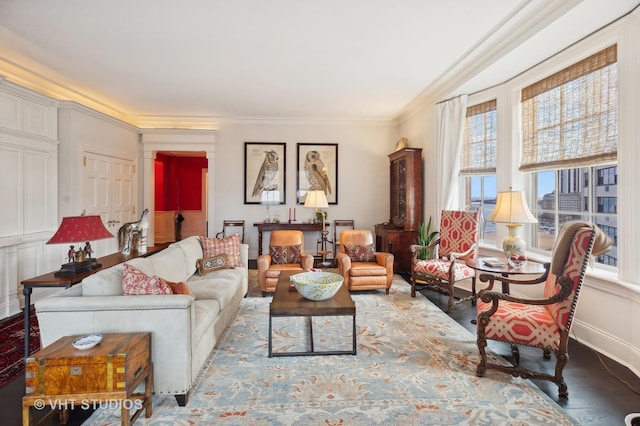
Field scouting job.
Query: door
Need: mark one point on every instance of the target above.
(108, 191)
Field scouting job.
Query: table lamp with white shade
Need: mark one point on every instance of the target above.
(318, 200)
(512, 209)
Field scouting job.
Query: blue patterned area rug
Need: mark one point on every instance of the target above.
(415, 366)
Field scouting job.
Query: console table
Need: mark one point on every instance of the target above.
(299, 226)
(50, 280)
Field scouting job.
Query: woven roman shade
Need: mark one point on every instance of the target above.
(570, 119)
(479, 143)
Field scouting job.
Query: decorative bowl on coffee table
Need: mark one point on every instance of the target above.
(317, 285)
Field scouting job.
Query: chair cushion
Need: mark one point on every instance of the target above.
(530, 325)
(458, 232)
(281, 255)
(439, 268)
(360, 253)
(367, 269)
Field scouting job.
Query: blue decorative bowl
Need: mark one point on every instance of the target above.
(317, 285)
(87, 342)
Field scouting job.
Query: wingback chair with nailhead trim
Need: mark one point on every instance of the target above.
(544, 322)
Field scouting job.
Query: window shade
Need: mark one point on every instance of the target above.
(570, 118)
(479, 144)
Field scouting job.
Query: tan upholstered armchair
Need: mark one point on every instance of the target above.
(286, 253)
(360, 265)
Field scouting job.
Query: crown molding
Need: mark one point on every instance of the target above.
(526, 20)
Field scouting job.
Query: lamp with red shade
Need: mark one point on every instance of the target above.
(76, 229)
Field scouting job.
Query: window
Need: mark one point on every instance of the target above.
(570, 140)
(478, 163)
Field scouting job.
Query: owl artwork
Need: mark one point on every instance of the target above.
(316, 172)
(267, 179)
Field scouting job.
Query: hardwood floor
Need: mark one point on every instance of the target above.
(595, 396)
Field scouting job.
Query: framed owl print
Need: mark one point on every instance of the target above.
(265, 168)
(317, 169)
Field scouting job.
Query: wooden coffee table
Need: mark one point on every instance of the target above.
(288, 303)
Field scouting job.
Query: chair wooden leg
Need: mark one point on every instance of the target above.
(413, 286)
(561, 360)
(473, 291)
(482, 344)
(451, 298)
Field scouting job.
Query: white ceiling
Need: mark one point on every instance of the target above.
(180, 62)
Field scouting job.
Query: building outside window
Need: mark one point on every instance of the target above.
(570, 139)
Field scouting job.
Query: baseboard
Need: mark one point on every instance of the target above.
(614, 348)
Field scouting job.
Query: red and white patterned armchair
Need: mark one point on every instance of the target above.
(458, 242)
(543, 323)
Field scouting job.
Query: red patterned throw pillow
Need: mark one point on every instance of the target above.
(360, 253)
(281, 255)
(136, 282)
(229, 246)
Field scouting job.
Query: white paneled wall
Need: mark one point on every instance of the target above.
(29, 191)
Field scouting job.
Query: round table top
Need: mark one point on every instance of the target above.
(499, 265)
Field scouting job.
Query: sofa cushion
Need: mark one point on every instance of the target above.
(206, 311)
(212, 264)
(192, 250)
(107, 282)
(281, 255)
(136, 282)
(358, 253)
(220, 285)
(229, 245)
(170, 264)
(143, 264)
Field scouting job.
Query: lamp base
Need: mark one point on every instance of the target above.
(513, 244)
(74, 268)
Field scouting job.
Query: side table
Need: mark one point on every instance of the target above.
(531, 268)
(50, 280)
(62, 377)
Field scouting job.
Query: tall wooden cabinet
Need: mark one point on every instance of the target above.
(405, 204)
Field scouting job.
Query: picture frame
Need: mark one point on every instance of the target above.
(263, 184)
(325, 156)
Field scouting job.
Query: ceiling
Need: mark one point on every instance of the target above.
(176, 63)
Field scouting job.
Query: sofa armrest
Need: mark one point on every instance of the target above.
(169, 318)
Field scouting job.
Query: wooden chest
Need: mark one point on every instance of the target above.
(112, 365)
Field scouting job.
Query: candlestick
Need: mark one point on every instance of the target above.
(294, 214)
(289, 214)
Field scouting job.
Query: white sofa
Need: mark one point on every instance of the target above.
(184, 328)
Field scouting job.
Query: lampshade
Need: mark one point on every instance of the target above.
(317, 199)
(75, 229)
(511, 207)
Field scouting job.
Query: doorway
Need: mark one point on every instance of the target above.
(180, 188)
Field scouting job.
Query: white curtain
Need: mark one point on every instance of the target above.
(450, 121)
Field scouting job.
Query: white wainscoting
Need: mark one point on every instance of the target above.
(29, 190)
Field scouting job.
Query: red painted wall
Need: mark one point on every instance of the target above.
(178, 182)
